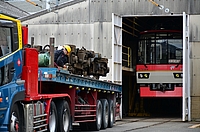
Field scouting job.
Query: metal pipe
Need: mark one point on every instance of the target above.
(156, 4)
(52, 41)
(35, 4)
(153, 2)
(32, 42)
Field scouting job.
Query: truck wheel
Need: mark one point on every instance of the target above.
(111, 114)
(98, 116)
(105, 113)
(63, 116)
(16, 122)
(52, 127)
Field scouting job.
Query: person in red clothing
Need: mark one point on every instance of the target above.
(61, 56)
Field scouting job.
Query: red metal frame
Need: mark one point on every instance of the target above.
(25, 35)
(85, 113)
(30, 72)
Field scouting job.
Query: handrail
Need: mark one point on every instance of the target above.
(126, 56)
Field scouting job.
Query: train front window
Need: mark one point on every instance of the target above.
(160, 48)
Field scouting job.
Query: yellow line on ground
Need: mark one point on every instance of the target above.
(195, 126)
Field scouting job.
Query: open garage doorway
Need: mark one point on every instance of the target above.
(151, 42)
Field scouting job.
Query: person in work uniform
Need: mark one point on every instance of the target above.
(61, 56)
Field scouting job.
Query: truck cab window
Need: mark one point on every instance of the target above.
(5, 41)
(8, 44)
(9, 41)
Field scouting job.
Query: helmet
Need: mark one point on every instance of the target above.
(68, 48)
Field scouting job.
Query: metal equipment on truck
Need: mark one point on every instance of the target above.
(34, 98)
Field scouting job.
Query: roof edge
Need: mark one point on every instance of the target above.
(54, 8)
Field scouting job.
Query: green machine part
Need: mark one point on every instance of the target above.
(44, 59)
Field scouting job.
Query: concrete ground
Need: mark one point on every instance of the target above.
(135, 124)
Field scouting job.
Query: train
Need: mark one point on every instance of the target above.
(160, 63)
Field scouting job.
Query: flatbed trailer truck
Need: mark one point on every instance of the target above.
(38, 99)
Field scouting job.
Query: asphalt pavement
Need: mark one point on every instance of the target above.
(133, 124)
(154, 125)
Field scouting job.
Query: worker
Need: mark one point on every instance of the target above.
(61, 56)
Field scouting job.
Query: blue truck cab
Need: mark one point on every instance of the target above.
(11, 85)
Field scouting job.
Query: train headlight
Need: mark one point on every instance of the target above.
(143, 75)
(178, 75)
(140, 75)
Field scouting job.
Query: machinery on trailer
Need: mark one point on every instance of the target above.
(159, 66)
(45, 98)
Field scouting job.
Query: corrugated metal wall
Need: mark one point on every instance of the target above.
(88, 23)
(194, 38)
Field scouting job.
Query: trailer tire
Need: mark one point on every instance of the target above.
(111, 114)
(53, 120)
(16, 119)
(105, 113)
(63, 116)
(98, 121)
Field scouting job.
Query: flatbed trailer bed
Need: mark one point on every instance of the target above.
(63, 76)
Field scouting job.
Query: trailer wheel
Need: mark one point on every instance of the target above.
(63, 116)
(16, 121)
(111, 114)
(52, 127)
(98, 116)
(105, 113)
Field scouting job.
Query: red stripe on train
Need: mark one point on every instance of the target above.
(145, 92)
(171, 67)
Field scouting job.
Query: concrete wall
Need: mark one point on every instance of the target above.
(194, 38)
